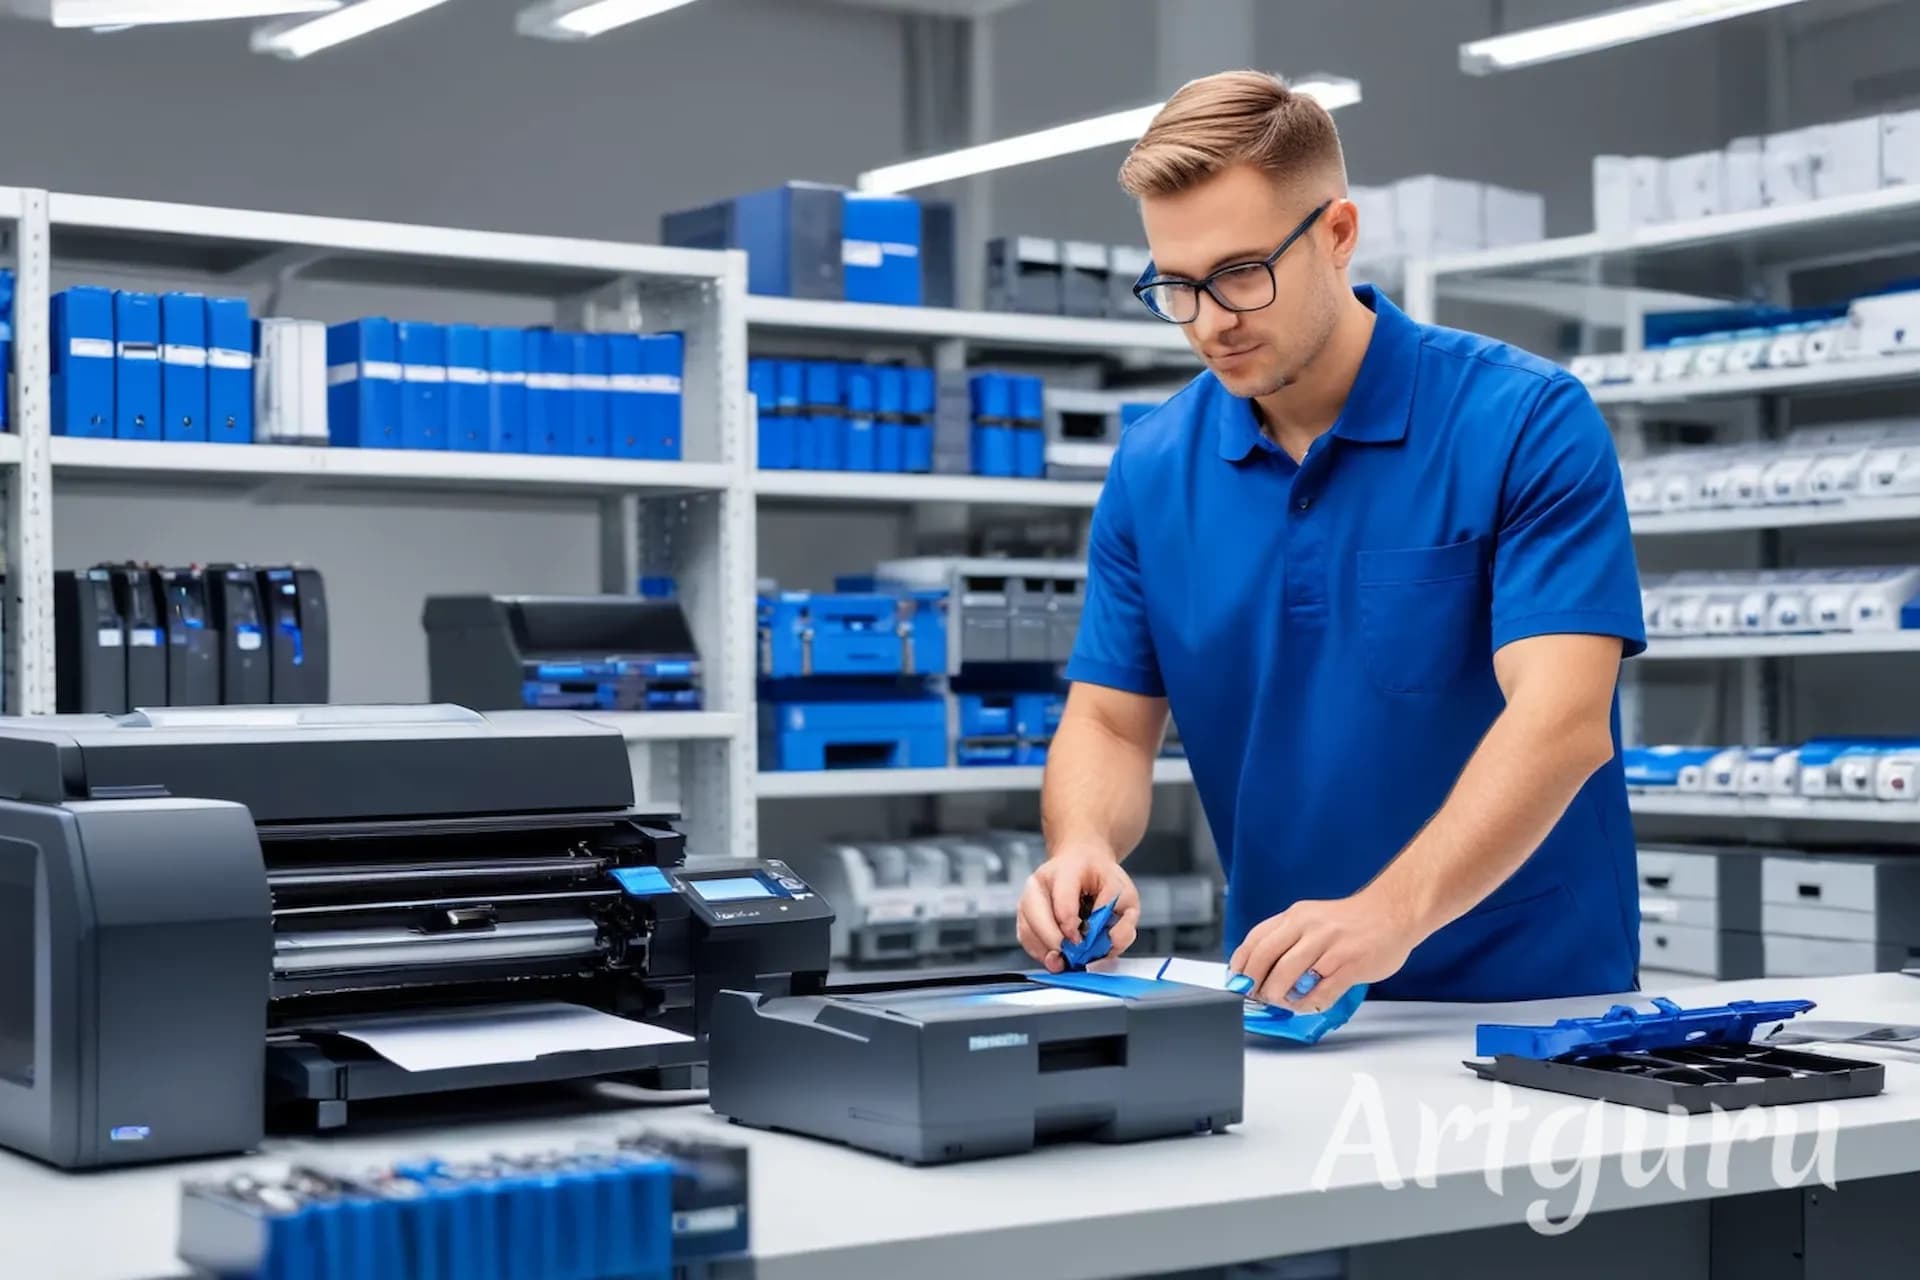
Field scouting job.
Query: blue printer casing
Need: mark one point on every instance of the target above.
(467, 387)
(136, 365)
(792, 235)
(507, 366)
(363, 384)
(183, 366)
(880, 235)
(82, 362)
(230, 371)
(423, 384)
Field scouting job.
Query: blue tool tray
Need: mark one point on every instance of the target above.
(1689, 1060)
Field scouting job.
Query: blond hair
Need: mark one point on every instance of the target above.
(1232, 118)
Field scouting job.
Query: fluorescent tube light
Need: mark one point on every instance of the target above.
(1602, 31)
(1331, 92)
(142, 13)
(585, 19)
(304, 39)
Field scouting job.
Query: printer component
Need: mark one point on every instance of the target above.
(606, 653)
(145, 635)
(90, 668)
(946, 1070)
(246, 665)
(631, 1211)
(1000, 610)
(1023, 274)
(807, 633)
(312, 874)
(295, 603)
(193, 644)
(793, 236)
(1691, 1060)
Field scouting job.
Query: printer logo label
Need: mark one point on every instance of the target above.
(1001, 1040)
(129, 1133)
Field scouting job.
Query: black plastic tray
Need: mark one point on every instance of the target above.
(1694, 1079)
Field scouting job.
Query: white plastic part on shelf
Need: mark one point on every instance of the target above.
(420, 468)
(11, 201)
(669, 726)
(1693, 804)
(1782, 646)
(891, 487)
(927, 782)
(1730, 519)
(1832, 374)
(989, 328)
(9, 449)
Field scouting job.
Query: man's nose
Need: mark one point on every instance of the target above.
(1213, 320)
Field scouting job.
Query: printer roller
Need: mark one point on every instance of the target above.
(337, 949)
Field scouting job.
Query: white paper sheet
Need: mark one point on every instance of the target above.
(499, 1033)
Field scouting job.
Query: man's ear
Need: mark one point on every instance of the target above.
(1342, 220)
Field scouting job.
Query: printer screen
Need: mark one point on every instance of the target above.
(732, 889)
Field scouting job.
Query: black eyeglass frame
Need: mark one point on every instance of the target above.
(1148, 280)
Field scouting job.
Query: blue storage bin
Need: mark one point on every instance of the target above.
(986, 754)
(986, 715)
(897, 733)
(1037, 715)
(993, 449)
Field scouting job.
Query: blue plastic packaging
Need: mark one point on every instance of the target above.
(1095, 942)
(1624, 1029)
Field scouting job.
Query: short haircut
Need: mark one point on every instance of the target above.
(1232, 118)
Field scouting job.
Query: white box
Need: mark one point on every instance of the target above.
(1743, 189)
(1846, 158)
(1890, 471)
(1438, 215)
(1824, 344)
(1379, 228)
(1512, 217)
(1900, 148)
(1884, 324)
(1788, 347)
(1628, 192)
(1591, 370)
(1897, 777)
(1786, 167)
(1697, 185)
(1748, 354)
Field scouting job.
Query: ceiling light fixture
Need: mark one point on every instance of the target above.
(303, 39)
(1331, 92)
(1602, 31)
(112, 14)
(585, 19)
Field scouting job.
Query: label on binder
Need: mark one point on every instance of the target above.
(110, 638)
(139, 351)
(507, 377)
(657, 383)
(227, 358)
(470, 377)
(422, 373)
(91, 348)
(378, 370)
(191, 357)
(144, 637)
(861, 253)
(592, 382)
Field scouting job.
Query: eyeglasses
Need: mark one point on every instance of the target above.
(1238, 286)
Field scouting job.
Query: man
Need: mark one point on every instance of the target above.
(1382, 574)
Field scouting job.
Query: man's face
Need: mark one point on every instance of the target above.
(1242, 215)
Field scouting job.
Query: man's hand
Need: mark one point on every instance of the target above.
(1050, 908)
(1347, 941)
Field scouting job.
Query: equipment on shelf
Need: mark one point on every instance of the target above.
(873, 633)
(819, 415)
(1700, 910)
(290, 382)
(358, 903)
(947, 1070)
(1035, 275)
(1002, 610)
(1843, 464)
(1782, 601)
(1828, 914)
(1867, 770)
(605, 653)
(1427, 216)
(132, 636)
(843, 724)
(1009, 425)
(635, 1210)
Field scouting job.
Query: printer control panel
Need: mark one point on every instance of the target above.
(751, 893)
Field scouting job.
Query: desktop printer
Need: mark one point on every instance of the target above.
(200, 908)
(577, 653)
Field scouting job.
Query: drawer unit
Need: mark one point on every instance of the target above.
(1842, 897)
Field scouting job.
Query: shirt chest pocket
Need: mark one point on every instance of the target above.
(1425, 614)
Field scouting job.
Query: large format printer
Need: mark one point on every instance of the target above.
(200, 908)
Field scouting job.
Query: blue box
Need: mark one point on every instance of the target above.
(592, 389)
(136, 365)
(917, 431)
(423, 384)
(831, 634)
(776, 442)
(230, 371)
(792, 235)
(863, 440)
(903, 733)
(626, 434)
(549, 392)
(823, 431)
(467, 388)
(6, 343)
(986, 755)
(82, 362)
(507, 390)
(993, 450)
(662, 362)
(881, 248)
(1031, 753)
(183, 366)
(1030, 451)
(1037, 715)
(363, 384)
(986, 715)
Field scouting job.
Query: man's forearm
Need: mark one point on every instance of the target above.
(1098, 789)
(1515, 787)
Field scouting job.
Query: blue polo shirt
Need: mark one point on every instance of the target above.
(1324, 634)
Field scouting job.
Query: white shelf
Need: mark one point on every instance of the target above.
(1783, 646)
(989, 328)
(669, 726)
(1783, 233)
(1731, 519)
(1693, 804)
(410, 468)
(890, 487)
(926, 782)
(1834, 374)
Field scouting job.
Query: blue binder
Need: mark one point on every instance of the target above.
(507, 390)
(183, 366)
(549, 392)
(423, 384)
(591, 392)
(230, 371)
(863, 436)
(467, 387)
(661, 358)
(363, 384)
(626, 432)
(136, 365)
(82, 363)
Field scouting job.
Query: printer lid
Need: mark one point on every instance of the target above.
(569, 624)
(323, 763)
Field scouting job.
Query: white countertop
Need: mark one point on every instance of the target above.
(1087, 1210)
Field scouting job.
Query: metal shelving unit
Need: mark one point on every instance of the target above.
(702, 762)
(1693, 804)
(1833, 375)
(994, 329)
(897, 489)
(1751, 519)
(1782, 646)
(840, 783)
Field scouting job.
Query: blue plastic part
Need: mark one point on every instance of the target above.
(1095, 942)
(643, 882)
(1624, 1029)
(1240, 984)
(987, 715)
(1275, 1022)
